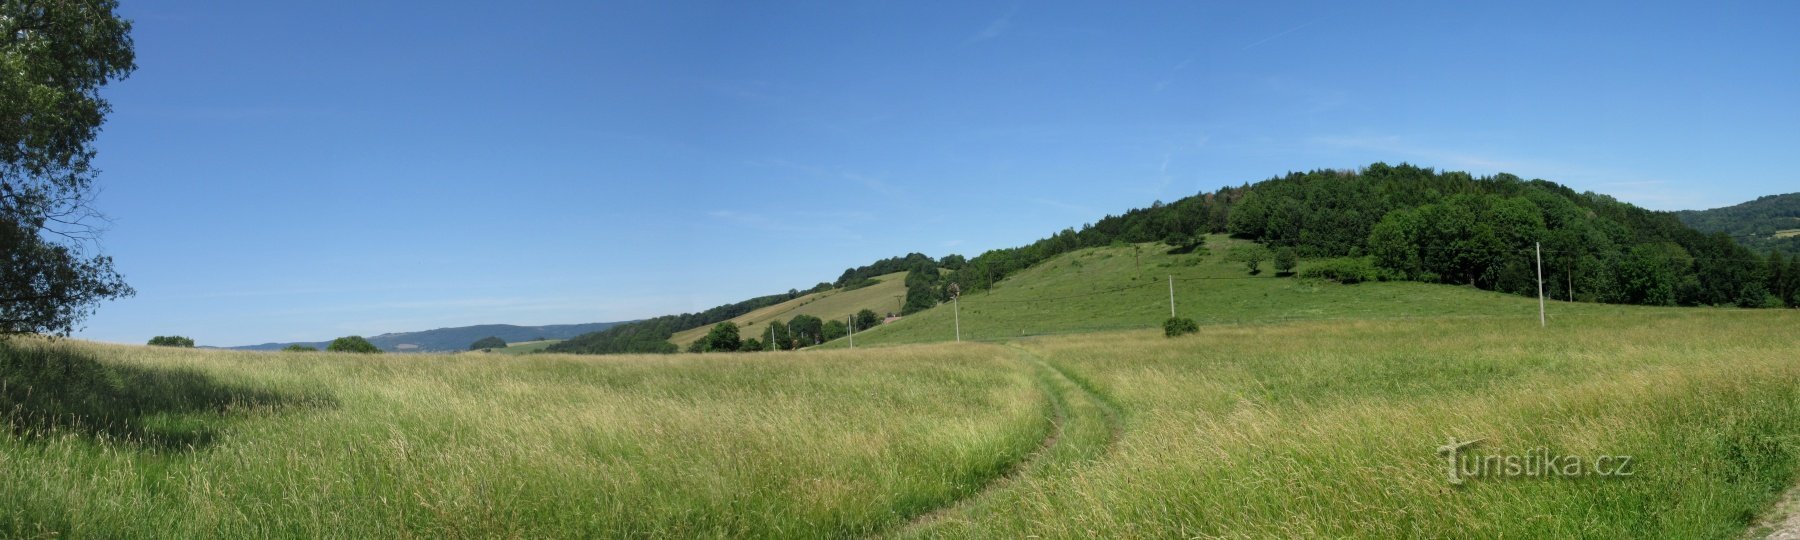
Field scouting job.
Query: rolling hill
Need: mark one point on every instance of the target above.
(1128, 287)
(835, 304)
(455, 339)
(1770, 222)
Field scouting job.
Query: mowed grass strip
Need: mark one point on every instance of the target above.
(1331, 429)
(765, 445)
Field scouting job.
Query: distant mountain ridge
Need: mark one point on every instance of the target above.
(455, 339)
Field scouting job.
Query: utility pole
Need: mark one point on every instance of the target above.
(1540, 271)
(772, 346)
(956, 309)
(852, 330)
(1171, 296)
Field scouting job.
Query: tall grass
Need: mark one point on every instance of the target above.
(540, 446)
(1330, 430)
(1303, 429)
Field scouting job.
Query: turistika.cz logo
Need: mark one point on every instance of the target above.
(1463, 463)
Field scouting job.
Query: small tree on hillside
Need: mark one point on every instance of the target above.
(299, 348)
(1285, 260)
(1252, 256)
(490, 342)
(833, 329)
(172, 341)
(807, 329)
(723, 338)
(866, 319)
(353, 344)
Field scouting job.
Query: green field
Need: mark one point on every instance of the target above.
(1300, 409)
(885, 296)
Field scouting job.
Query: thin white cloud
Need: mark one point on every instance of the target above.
(996, 28)
(1277, 35)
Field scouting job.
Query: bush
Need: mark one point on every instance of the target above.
(353, 344)
(1347, 270)
(1177, 326)
(172, 341)
(489, 342)
(299, 348)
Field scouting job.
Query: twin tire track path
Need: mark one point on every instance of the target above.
(1084, 427)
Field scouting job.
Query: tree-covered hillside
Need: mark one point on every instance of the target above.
(1768, 223)
(1410, 223)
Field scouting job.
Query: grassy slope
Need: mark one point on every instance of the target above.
(1059, 297)
(548, 446)
(883, 297)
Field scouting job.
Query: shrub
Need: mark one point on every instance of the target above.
(489, 342)
(353, 344)
(1177, 326)
(1347, 270)
(299, 348)
(171, 341)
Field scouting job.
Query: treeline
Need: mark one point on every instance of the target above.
(652, 335)
(1450, 227)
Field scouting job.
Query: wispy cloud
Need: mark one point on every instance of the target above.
(1277, 35)
(996, 28)
(1169, 78)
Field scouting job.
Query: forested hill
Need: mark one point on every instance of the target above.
(1770, 222)
(1409, 222)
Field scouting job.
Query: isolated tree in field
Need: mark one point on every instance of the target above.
(353, 344)
(866, 319)
(171, 341)
(299, 348)
(807, 329)
(54, 59)
(1252, 256)
(490, 342)
(833, 329)
(722, 338)
(1285, 260)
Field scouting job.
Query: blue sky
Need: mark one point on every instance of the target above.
(282, 171)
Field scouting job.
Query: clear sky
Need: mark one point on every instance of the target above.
(282, 171)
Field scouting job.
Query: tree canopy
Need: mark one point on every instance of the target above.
(55, 56)
(353, 344)
(171, 341)
(490, 342)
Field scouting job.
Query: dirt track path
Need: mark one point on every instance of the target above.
(1084, 427)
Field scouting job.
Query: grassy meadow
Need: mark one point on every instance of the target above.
(189, 444)
(1300, 409)
(1127, 287)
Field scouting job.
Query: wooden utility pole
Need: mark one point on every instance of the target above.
(852, 330)
(1542, 322)
(956, 308)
